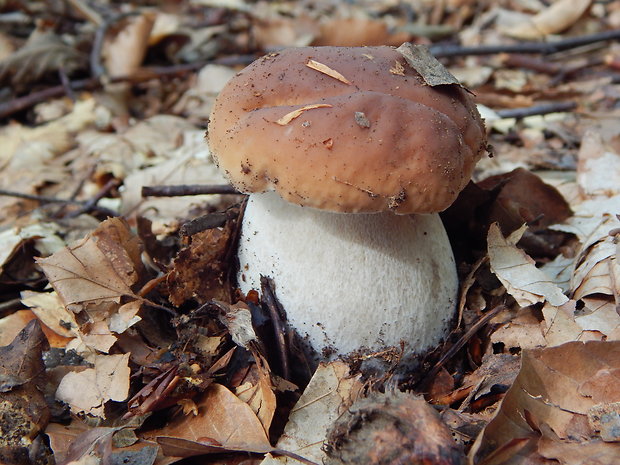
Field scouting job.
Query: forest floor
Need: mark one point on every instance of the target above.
(123, 337)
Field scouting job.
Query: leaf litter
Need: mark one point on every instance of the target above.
(151, 341)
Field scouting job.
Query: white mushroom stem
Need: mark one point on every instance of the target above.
(352, 282)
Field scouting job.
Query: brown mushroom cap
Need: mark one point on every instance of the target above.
(370, 137)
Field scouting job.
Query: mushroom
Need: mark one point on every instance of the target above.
(348, 154)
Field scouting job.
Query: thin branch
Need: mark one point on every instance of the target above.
(275, 311)
(91, 204)
(145, 74)
(542, 109)
(39, 198)
(460, 343)
(87, 205)
(544, 48)
(193, 189)
(208, 221)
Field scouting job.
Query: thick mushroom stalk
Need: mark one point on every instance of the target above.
(349, 283)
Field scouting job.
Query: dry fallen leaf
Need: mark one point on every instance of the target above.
(100, 268)
(517, 271)
(23, 409)
(87, 391)
(545, 412)
(189, 162)
(558, 16)
(259, 395)
(49, 309)
(330, 392)
(358, 31)
(224, 422)
(125, 51)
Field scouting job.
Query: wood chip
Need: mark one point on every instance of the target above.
(295, 113)
(321, 68)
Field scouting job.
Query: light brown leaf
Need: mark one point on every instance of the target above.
(558, 16)
(12, 324)
(87, 391)
(296, 113)
(517, 271)
(100, 268)
(224, 422)
(49, 309)
(548, 404)
(330, 392)
(322, 68)
(125, 51)
(257, 390)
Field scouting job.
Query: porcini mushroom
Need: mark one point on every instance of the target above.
(338, 147)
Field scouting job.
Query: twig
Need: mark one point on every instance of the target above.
(66, 83)
(544, 48)
(10, 305)
(91, 204)
(209, 221)
(460, 343)
(542, 109)
(275, 311)
(194, 189)
(145, 74)
(39, 198)
(45, 199)
(535, 64)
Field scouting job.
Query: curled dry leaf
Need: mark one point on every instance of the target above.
(549, 410)
(43, 235)
(259, 394)
(95, 276)
(517, 271)
(125, 50)
(557, 17)
(238, 320)
(596, 267)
